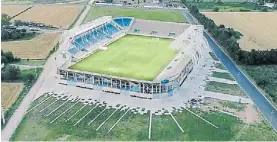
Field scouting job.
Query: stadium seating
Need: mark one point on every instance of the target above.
(73, 50)
(87, 40)
(123, 22)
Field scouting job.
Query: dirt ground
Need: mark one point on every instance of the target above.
(36, 48)
(248, 114)
(12, 10)
(9, 93)
(57, 15)
(259, 29)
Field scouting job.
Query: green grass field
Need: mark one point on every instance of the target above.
(137, 57)
(36, 126)
(223, 75)
(231, 89)
(158, 15)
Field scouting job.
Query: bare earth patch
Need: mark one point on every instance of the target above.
(259, 29)
(248, 115)
(12, 10)
(9, 93)
(36, 48)
(56, 15)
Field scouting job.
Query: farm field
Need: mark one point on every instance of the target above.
(146, 57)
(9, 93)
(56, 15)
(36, 48)
(12, 10)
(158, 15)
(43, 123)
(258, 28)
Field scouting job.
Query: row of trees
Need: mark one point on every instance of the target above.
(228, 38)
(12, 73)
(7, 57)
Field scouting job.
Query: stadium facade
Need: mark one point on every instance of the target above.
(89, 38)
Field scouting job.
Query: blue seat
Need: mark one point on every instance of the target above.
(123, 22)
(73, 50)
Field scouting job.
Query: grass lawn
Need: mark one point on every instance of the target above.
(223, 75)
(220, 66)
(213, 56)
(233, 105)
(36, 126)
(158, 15)
(231, 89)
(31, 62)
(137, 57)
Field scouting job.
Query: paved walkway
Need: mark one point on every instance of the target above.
(49, 69)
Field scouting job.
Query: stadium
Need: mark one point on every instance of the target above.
(123, 55)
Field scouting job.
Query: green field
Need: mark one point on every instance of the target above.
(36, 126)
(158, 15)
(223, 75)
(231, 89)
(137, 57)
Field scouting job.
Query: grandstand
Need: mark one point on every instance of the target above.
(83, 42)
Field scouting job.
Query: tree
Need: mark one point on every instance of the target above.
(16, 35)
(219, 2)
(5, 19)
(28, 77)
(216, 9)
(264, 9)
(18, 23)
(10, 73)
(9, 56)
(4, 60)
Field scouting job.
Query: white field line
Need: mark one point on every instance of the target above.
(64, 112)
(150, 126)
(48, 106)
(38, 104)
(85, 115)
(76, 113)
(201, 118)
(118, 120)
(97, 116)
(177, 123)
(106, 120)
(57, 108)
(228, 113)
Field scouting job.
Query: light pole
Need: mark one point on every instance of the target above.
(3, 115)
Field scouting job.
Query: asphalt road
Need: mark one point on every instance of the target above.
(262, 103)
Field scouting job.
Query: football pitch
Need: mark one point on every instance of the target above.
(137, 57)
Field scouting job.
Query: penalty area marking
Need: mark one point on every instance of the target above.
(76, 113)
(85, 115)
(48, 106)
(38, 104)
(118, 120)
(106, 119)
(97, 116)
(200, 117)
(177, 123)
(64, 112)
(57, 108)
